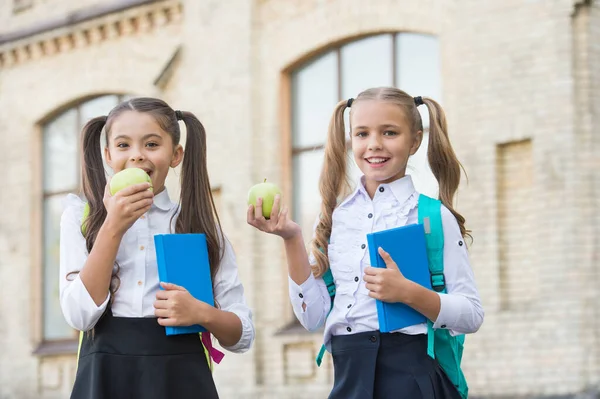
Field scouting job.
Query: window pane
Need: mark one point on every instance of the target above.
(307, 200)
(366, 63)
(418, 68)
(96, 107)
(419, 74)
(60, 148)
(314, 95)
(55, 326)
(418, 168)
(418, 65)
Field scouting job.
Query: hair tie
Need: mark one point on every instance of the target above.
(179, 115)
(349, 103)
(419, 101)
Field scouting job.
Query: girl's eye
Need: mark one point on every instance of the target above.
(122, 145)
(152, 144)
(390, 133)
(361, 134)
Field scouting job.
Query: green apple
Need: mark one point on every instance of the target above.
(128, 177)
(266, 191)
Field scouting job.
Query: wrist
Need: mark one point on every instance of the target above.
(205, 314)
(112, 229)
(294, 237)
(409, 292)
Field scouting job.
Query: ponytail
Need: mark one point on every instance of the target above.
(198, 213)
(94, 183)
(333, 184)
(93, 177)
(443, 161)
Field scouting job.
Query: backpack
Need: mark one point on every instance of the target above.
(447, 349)
(210, 352)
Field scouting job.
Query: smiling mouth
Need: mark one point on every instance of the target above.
(377, 160)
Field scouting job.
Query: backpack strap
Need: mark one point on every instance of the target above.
(430, 215)
(328, 279)
(213, 355)
(79, 349)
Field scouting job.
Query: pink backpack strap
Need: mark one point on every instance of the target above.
(215, 354)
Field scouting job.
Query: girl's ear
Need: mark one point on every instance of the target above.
(416, 142)
(107, 155)
(177, 156)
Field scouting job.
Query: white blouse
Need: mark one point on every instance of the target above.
(354, 311)
(138, 271)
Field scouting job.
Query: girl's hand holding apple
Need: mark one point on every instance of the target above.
(126, 201)
(279, 223)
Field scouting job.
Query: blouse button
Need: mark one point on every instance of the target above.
(301, 296)
(356, 279)
(370, 215)
(348, 329)
(363, 246)
(460, 243)
(140, 282)
(141, 247)
(349, 306)
(381, 189)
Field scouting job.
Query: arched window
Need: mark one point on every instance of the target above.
(61, 175)
(408, 61)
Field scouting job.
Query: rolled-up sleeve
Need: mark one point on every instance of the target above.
(229, 294)
(78, 307)
(461, 311)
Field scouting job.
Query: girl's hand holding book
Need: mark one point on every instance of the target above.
(389, 284)
(175, 306)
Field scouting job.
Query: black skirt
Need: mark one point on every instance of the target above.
(133, 358)
(374, 365)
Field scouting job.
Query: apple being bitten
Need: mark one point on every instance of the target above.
(128, 177)
(266, 191)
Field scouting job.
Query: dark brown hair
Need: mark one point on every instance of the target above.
(197, 213)
(334, 185)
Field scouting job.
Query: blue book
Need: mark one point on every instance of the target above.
(183, 260)
(406, 245)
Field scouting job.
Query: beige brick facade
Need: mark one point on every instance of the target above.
(521, 84)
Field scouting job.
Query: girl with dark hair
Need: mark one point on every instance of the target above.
(109, 285)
